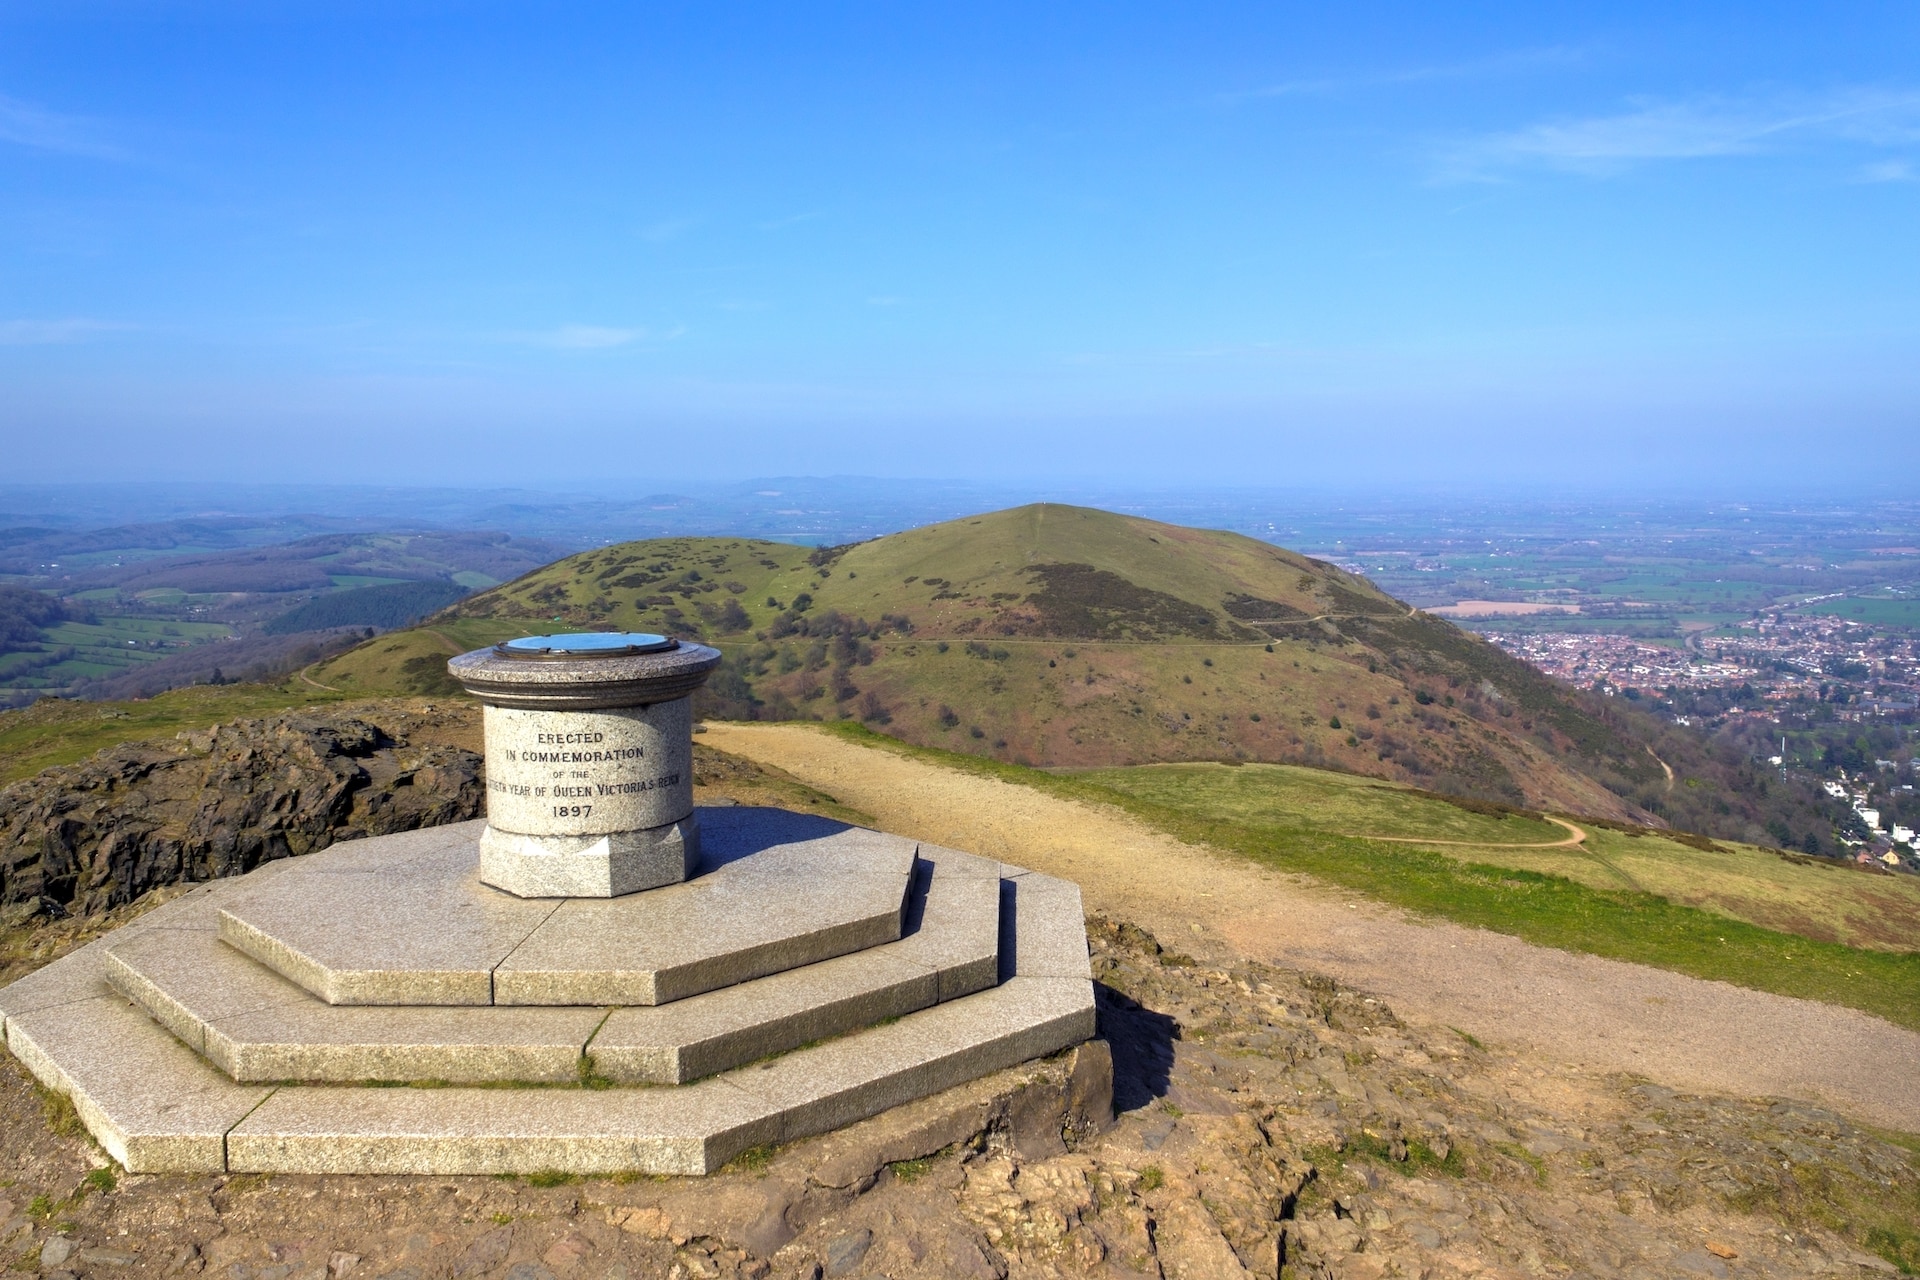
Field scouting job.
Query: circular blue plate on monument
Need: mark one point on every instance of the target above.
(586, 644)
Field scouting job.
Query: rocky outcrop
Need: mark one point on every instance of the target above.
(85, 837)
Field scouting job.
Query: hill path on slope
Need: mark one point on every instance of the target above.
(1575, 835)
(1577, 1009)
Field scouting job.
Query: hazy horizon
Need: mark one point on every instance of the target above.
(834, 509)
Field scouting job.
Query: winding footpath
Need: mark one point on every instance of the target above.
(1574, 1010)
(1575, 835)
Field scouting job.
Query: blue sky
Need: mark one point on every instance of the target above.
(1476, 246)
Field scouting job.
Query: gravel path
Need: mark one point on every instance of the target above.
(1575, 1009)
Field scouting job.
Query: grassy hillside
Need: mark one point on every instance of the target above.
(1826, 901)
(56, 731)
(1066, 636)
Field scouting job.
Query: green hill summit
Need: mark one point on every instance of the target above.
(1067, 636)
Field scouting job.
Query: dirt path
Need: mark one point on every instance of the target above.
(315, 683)
(1574, 836)
(1664, 767)
(1574, 1009)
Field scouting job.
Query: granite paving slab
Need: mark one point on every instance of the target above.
(68, 980)
(684, 1129)
(359, 1043)
(856, 1076)
(950, 950)
(963, 946)
(961, 864)
(776, 891)
(148, 1099)
(1043, 929)
(424, 932)
(821, 1087)
(77, 976)
(256, 1026)
(185, 979)
(689, 1129)
(377, 854)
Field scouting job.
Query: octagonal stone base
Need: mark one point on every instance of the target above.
(607, 866)
(146, 1028)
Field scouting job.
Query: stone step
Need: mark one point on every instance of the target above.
(392, 922)
(688, 1129)
(147, 1099)
(951, 950)
(257, 1026)
(158, 1107)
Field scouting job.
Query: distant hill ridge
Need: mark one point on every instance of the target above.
(1066, 636)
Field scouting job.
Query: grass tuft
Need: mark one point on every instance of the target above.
(911, 1170)
(57, 1110)
(753, 1159)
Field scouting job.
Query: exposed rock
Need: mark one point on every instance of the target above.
(86, 837)
(1268, 1119)
(846, 1252)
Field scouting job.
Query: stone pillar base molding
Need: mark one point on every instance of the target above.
(605, 866)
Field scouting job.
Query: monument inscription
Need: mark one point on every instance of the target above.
(589, 772)
(589, 743)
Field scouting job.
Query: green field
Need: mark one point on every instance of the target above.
(349, 581)
(104, 648)
(1879, 612)
(413, 661)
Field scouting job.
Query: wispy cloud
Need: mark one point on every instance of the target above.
(1890, 171)
(1689, 129)
(665, 230)
(885, 300)
(592, 337)
(27, 125)
(41, 333)
(1515, 61)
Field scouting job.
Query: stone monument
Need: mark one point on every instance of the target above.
(686, 985)
(589, 742)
